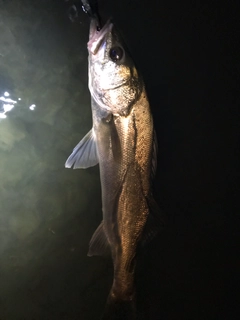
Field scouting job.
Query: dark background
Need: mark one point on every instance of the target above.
(188, 54)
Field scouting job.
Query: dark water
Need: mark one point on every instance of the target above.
(187, 54)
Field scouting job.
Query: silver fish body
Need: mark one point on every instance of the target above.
(123, 142)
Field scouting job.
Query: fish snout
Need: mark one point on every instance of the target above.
(96, 36)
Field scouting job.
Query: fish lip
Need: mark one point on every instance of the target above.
(96, 37)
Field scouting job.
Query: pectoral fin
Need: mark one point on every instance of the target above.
(99, 244)
(84, 155)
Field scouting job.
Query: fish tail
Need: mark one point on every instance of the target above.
(116, 309)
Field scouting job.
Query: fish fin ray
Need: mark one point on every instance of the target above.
(155, 222)
(84, 155)
(119, 309)
(99, 243)
(154, 155)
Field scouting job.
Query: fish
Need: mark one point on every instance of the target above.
(123, 142)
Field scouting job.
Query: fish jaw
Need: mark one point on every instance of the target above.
(97, 36)
(115, 85)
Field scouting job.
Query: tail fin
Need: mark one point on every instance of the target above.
(119, 309)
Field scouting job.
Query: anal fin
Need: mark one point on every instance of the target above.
(99, 243)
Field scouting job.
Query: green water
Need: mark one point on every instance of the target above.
(47, 213)
(187, 55)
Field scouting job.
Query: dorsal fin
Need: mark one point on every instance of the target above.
(154, 155)
(155, 222)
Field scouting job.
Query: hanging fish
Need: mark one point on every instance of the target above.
(123, 142)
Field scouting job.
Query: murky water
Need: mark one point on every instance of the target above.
(49, 213)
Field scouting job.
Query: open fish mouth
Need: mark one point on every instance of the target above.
(96, 36)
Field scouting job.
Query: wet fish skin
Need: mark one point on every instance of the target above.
(122, 141)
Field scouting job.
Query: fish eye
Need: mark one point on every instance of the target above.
(116, 53)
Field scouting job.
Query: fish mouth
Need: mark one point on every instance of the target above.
(96, 36)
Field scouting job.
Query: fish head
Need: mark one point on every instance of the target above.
(114, 81)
